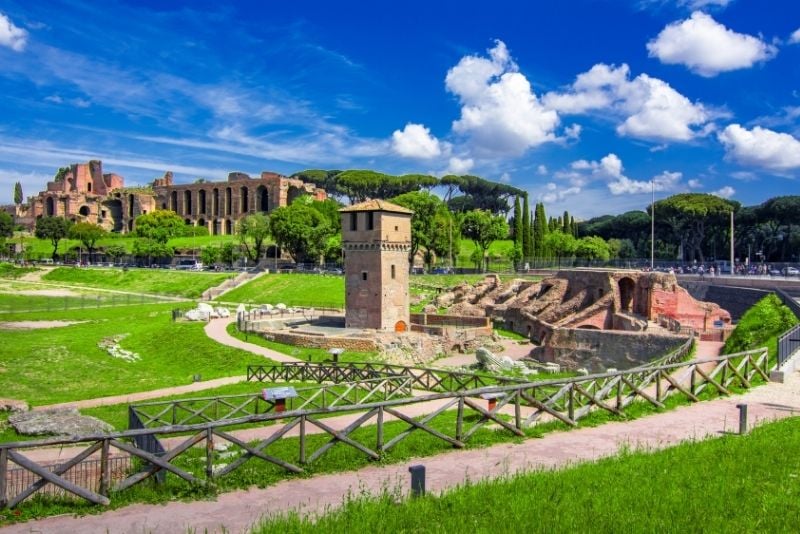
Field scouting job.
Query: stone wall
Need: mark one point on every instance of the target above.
(598, 350)
(321, 342)
(737, 300)
(450, 320)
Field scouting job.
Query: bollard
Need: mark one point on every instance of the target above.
(742, 418)
(417, 480)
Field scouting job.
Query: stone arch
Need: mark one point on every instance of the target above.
(262, 199)
(293, 193)
(187, 202)
(626, 290)
(173, 201)
(188, 221)
(588, 327)
(49, 207)
(130, 225)
(201, 222)
(163, 205)
(215, 227)
(131, 202)
(215, 202)
(400, 326)
(244, 199)
(228, 201)
(228, 227)
(84, 211)
(201, 201)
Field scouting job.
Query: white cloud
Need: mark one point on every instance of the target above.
(11, 36)
(541, 170)
(698, 4)
(458, 165)
(573, 132)
(695, 183)
(761, 147)
(500, 114)
(666, 181)
(648, 108)
(707, 47)
(795, 37)
(416, 141)
(725, 192)
(505, 178)
(554, 193)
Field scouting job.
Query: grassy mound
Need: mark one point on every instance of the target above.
(176, 283)
(291, 289)
(761, 326)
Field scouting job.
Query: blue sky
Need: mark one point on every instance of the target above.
(585, 104)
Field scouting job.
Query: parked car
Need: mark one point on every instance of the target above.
(189, 265)
(790, 271)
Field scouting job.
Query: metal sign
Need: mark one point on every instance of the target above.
(272, 394)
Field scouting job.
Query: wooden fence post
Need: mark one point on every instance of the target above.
(379, 445)
(302, 439)
(571, 402)
(209, 453)
(3, 478)
(105, 471)
(460, 419)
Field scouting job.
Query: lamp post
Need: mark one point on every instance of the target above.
(732, 258)
(653, 225)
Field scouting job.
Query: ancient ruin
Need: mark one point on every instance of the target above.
(592, 318)
(82, 192)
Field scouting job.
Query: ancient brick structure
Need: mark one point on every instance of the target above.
(218, 205)
(86, 194)
(376, 239)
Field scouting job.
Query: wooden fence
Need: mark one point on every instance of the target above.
(565, 400)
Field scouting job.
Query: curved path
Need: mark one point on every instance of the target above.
(217, 329)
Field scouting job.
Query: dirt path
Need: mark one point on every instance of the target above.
(237, 511)
(216, 329)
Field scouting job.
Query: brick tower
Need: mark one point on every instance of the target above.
(376, 239)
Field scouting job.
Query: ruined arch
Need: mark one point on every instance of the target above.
(293, 193)
(228, 227)
(626, 289)
(244, 199)
(262, 199)
(84, 211)
(215, 202)
(130, 205)
(228, 201)
(201, 201)
(187, 202)
(173, 201)
(49, 207)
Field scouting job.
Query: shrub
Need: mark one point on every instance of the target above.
(761, 325)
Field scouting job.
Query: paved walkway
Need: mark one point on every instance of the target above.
(216, 329)
(237, 511)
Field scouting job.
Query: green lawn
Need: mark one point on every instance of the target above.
(42, 248)
(728, 484)
(294, 289)
(156, 281)
(53, 365)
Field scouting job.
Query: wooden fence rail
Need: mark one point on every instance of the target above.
(566, 400)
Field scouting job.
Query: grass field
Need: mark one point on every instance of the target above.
(53, 365)
(156, 281)
(295, 289)
(742, 484)
(42, 248)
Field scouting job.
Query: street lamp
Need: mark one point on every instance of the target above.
(653, 225)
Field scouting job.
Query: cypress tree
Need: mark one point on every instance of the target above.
(517, 223)
(573, 226)
(17, 193)
(527, 243)
(566, 223)
(539, 230)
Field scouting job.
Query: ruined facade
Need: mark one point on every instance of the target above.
(376, 240)
(554, 311)
(85, 193)
(218, 205)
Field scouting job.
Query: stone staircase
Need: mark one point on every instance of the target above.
(215, 292)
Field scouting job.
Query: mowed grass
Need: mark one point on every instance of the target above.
(294, 289)
(732, 483)
(42, 248)
(45, 366)
(156, 281)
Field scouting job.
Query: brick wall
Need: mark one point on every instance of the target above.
(322, 342)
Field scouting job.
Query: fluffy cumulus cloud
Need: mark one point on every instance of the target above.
(699, 4)
(647, 108)
(707, 47)
(761, 147)
(458, 165)
(610, 171)
(416, 141)
(11, 36)
(666, 181)
(724, 192)
(554, 193)
(795, 37)
(500, 114)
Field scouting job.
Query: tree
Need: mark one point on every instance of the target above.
(688, 215)
(61, 173)
(115, 252)
(6, 229)
(483, 228)
(17, 193)
(152, 249)
(527, 244)
(478, 194)
(426, 222)
(539, 231)
(159, 225)
(561, 244)
(593, 248)
(88, 234)
(253, 231)
(518, 223)
(301, 230)
(209, 255)
(228, 253)
(53, 228)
